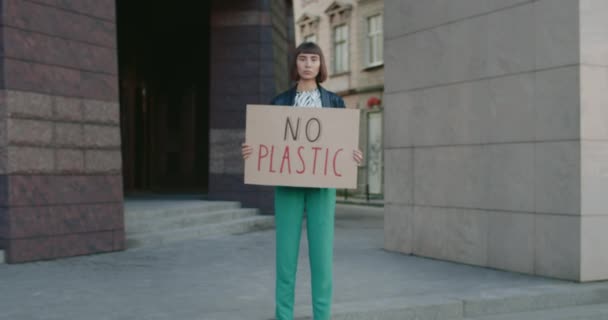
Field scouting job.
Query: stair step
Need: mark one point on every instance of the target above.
(149, 210)
(583, 312)
(532, 304)
(242, 225)
(181, 221)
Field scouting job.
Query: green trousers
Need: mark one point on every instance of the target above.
(320, 205)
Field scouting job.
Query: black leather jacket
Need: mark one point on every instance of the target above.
(328, 98)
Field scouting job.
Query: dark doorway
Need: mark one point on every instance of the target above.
(163, 50)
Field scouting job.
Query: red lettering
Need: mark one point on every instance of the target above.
(260, 155)
(326, 156)
(314, 164)
(286, 157)
(336, 156)
(301, 160)
(271, 158)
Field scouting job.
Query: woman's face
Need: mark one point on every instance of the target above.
(308, 65)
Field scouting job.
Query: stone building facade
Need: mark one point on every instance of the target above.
(497, 134)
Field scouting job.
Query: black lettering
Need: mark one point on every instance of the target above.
(318, 129)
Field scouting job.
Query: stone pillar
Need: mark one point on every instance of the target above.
(497, 134)
(60, 163)
(249, 55)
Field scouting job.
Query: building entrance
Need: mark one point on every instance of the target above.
(163, 55)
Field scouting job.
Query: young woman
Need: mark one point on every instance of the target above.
(309, 70)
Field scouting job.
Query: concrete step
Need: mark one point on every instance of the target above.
(585, 312)
(545, 303)
(183, 220)
(136, 211)
(2, 256)
(243, 225)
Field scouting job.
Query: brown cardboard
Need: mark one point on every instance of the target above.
(280, 160)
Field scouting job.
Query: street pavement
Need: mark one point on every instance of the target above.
(232, 277)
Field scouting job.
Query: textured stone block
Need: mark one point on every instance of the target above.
(69, 161)
(511, 45)
(37, 190)
(511, 241)
(466, 62)
(29, 131)
(31, 249)
(465, 235)
(557, 33)
(103, 161)
(69, 134)
(464, 9)
(4, 222)
(557, 100)
(426, 64)
(4, 198)
(449, 176)
(3, 134)
(447, 115)
(429, 234)
(98, 86)
(225, 156)
(413, 15)
(398, 228)
(227, 120)
(397, 119)
(558, 246)
(509, 177)
(101, 136)
(30, 104)
(30, 160)
(3, 161)
(104, 9)
(29, 222)
(399, 176)
(240, 34)
(557, 172)
(593, 97)
(40, 78)
(236, 102)
(62, 23)
(101, 111)
(67, 108)
(593, 32)
(511, 113)
(42, 48)
(594, 256)
(594, 174)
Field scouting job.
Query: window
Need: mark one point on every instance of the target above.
(309, 27)
(340, 49)
(310, 38)
(375, 40)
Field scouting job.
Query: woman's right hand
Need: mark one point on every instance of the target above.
(247, 150)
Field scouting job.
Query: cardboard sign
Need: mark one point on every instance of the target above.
(303, 147)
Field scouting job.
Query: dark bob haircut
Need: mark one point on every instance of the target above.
(311, 48)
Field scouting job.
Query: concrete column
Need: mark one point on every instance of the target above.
(496, 130)
(249, 55)
(60, 163)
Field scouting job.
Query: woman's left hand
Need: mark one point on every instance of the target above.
(358, 157)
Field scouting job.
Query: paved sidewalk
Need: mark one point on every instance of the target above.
(232, 277)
